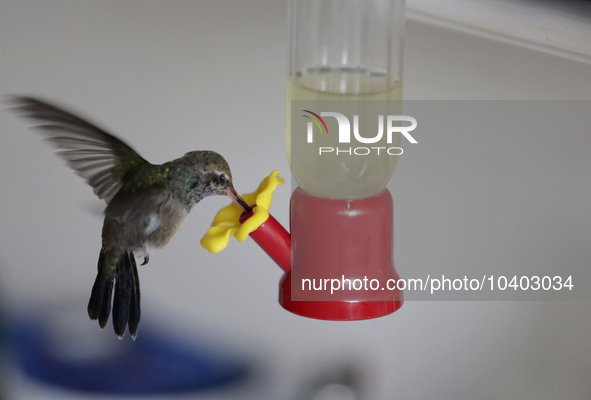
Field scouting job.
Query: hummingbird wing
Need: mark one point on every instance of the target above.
(103, 160)
(139, 204)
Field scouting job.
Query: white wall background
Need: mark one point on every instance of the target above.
(555, 27)
(174, 76)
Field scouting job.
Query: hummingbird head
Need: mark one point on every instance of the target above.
(214, 175)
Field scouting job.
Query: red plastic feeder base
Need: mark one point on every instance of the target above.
(344, 243)
(334, 310)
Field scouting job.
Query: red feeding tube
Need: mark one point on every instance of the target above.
(272, 237)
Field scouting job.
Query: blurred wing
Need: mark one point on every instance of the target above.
(100, 158)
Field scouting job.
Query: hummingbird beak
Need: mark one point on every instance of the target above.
(231, 193)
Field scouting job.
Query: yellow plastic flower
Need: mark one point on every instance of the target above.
(226, 223)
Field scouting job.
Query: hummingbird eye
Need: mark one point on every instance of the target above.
(222, 178)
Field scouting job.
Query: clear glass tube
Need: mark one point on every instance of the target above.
(343, 50)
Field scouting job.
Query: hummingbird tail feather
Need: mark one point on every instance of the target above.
(124, 281)
(135, 311)
(99, 306)
(123, 288)
(106, 306)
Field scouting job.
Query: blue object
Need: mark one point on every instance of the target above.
(153, 364)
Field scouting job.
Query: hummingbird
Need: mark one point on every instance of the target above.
(146, 203)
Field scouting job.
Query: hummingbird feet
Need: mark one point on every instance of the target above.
(146, 260)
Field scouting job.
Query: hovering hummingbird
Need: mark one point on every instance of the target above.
(146, 203)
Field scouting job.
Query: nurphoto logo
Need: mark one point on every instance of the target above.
(392, 126)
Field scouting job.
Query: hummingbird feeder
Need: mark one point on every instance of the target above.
(341, 213)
